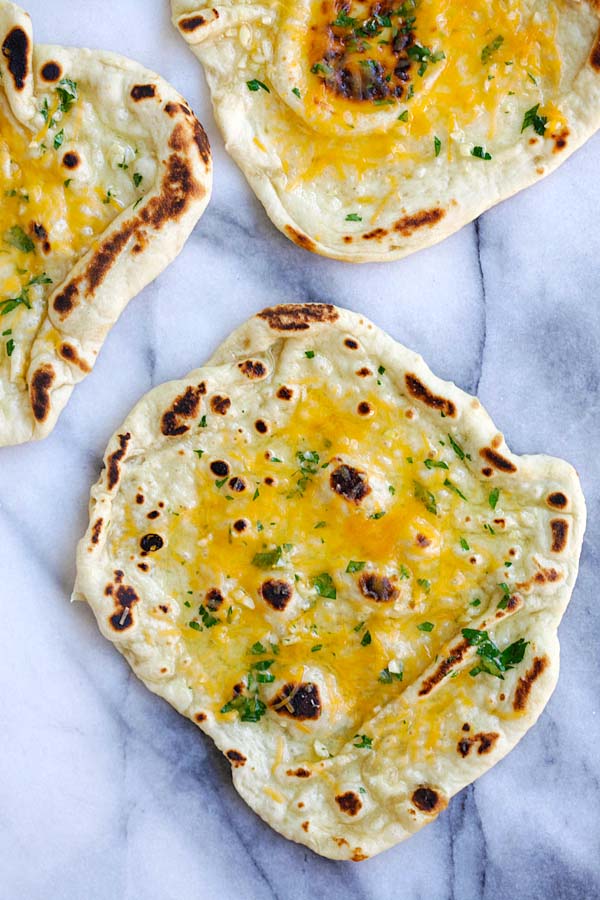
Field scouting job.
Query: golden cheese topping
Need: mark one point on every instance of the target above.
(60, 186)
(325, 561)
(413, 80)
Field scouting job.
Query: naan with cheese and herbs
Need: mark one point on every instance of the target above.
(372, 129)
(329, 559)
(104, 171)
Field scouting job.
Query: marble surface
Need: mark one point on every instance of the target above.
(105, 792)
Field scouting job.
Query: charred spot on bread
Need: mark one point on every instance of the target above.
(236, 758)
(349, 483)
(421, 392)
(276, 593)
(70, 160)
(377, 587)
(560, 532)
(143, 92)
(253, 369)
(16, 49)
(427, 799)
(349, 803)
(298, 316)
(186, 406)
(150, 543)
(113, 462)
(51, 71)
(39, 391)
(298, 701)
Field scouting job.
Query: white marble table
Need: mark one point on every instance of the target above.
(105, 792)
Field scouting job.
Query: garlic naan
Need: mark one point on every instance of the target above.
(370, 130)
(104, 171)
(329, 559)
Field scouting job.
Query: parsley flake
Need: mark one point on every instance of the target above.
(256, 85)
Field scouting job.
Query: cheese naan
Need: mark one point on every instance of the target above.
(104, 171)
(329, 559)
(372, 129)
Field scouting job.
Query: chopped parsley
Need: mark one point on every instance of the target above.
(480, 153)
(448, 484)
(458, 449)
(200, 453)
(308, 461)
(492, 660)
(324, 586)
(353, 217)
(355, 565)
(249, 708)
(464, 544)
(137, 179)
(59, 138)
(296, 91)
(493, 497)
(10, 346)
(207, 619)
(425, 584)
(256, 85)
(258, 649)
(476, 602)
(268, 559)
(425, 56)
(437, 145)
(67, 95)
(426, 497)
(404, 573)
(316, 648)
(377, 515)
(387, 677)
(17, 238)
(362, 742)
(435, 464)
(532, 119)
(309, 354)
(366, 639)
(506, 595)
(426, 626)
(403, 117)
(489, 49)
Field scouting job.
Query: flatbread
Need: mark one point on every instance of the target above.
(104, 171)
(287, 545)
(371, 130)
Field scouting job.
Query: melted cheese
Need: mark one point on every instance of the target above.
(460, 99)
(344, 642)
(51, 214)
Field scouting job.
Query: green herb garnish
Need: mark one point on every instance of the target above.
(493, 661)
(324, 586)
(256, 85)
(489, 49)
(268, 559)
(531, 119)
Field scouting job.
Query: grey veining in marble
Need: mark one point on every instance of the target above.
(105, 792)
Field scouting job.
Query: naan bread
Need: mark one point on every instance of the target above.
(330, 560)
(371, 130)
(104, 171)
